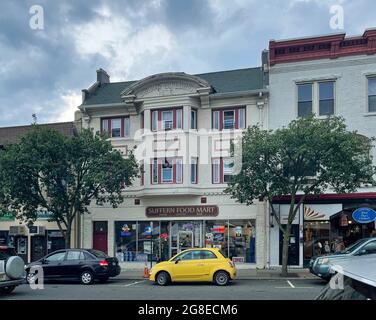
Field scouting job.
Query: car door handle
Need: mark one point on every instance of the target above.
(200, 265)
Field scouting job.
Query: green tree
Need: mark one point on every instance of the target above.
(61, 175)
(309, 156)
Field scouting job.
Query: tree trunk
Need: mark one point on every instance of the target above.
(285, 249)
(67, 239)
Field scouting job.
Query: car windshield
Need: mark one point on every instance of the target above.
(354, 246)
(98, 254)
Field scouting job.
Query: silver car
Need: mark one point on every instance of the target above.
(320, 266)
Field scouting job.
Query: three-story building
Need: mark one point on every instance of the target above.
(180, 128)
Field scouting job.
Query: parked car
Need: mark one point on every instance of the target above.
(87, 265)
(320, 266)
(12, 271)
(358, 282)
(207, 265)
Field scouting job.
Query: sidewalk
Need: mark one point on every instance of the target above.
(136, 272)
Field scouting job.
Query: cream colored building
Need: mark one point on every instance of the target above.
(182, 126)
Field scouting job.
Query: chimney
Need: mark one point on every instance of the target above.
(265, 66)
(102, 76)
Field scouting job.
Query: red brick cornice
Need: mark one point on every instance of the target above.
(321, 47)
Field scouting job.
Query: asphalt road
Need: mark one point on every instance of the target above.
(276, 289)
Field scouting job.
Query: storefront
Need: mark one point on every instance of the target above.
(31, 242)
(160, 240)
(324, 225)
(158, 233)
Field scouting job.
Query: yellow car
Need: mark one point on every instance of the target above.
(207, 264)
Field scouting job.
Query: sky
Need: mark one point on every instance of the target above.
(45, 63)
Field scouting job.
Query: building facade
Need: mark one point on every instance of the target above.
(32, 242)
(181, 126)
(326, 75)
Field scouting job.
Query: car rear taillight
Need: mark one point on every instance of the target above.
(103, 263)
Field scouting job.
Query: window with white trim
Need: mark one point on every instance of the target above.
(316, 97)
(167, 171)
(326, 98)
(167, 119)
(305, 103)
(372, 94)
(222, 170)
(194, 167)
(116, 127)
(193, 119)
(229, 119)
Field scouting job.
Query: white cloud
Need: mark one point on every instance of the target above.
(71, 100)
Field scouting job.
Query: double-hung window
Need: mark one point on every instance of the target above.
(167, 170)
(222, 170)
(163, 120)
(326, 98)
(316, 97)
(304, 99)
(229, 119)
(372, 94)
(194, 166)
(116, 127)
(167, 120)
(193, 119)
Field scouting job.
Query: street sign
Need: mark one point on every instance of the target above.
(364, 215)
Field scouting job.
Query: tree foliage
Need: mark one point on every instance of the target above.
(309, 156)
(61, 175)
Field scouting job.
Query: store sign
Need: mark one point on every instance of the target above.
(7, 217)
(364, 215)
(182, 211)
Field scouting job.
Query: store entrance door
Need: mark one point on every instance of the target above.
(100, 236)
(293, 259)
(185, 240)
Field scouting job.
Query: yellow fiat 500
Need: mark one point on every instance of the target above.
(208, 265)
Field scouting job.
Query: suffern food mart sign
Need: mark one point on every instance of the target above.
(182, 211)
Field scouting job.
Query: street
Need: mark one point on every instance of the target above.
(274, 289)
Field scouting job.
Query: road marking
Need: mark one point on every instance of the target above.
(131, 284)
(290, 284)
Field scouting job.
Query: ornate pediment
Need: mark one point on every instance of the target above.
(166, 84)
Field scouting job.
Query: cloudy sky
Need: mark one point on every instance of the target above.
(43, 71)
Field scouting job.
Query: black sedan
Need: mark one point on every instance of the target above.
(87, 265)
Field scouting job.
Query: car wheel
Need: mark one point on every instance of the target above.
(7, 290)
(163, 278)
(221, 278)
(30, 278)
(87, 277)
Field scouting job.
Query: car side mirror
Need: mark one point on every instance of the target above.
(177, 261)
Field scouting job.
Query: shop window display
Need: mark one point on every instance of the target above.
(242, 241)
(126, 240)
(316, 238)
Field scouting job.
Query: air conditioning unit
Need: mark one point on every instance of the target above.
(37, 230)
(17, 230)
(168, 125)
